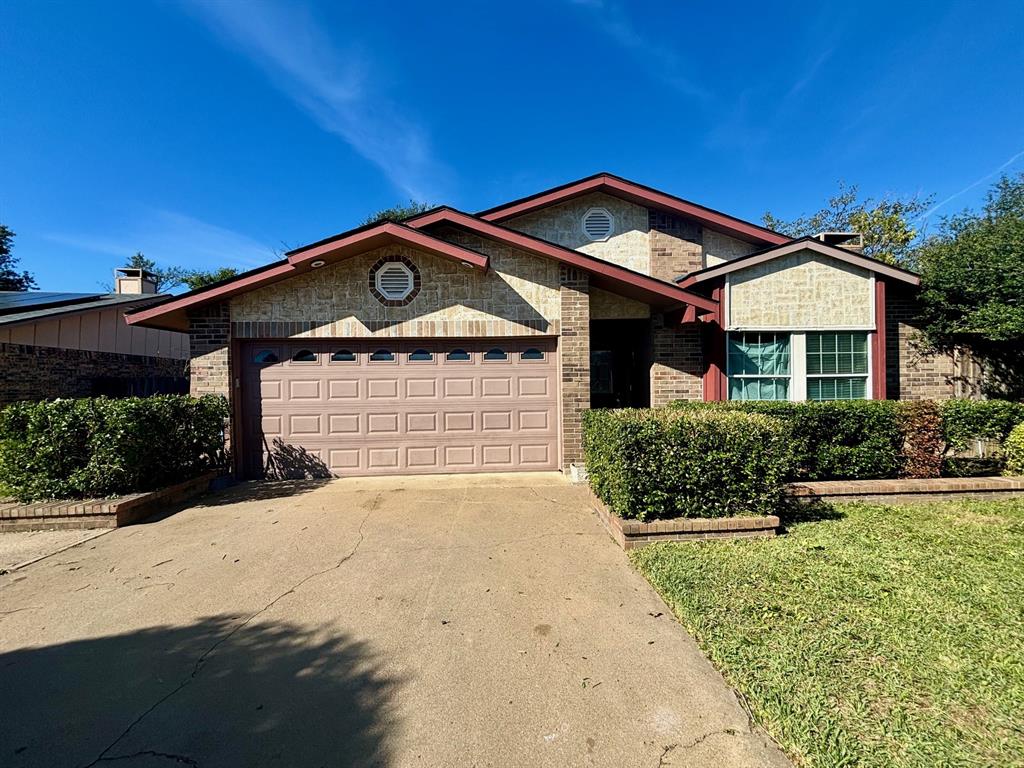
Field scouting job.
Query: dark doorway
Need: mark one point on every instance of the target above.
(620, 363)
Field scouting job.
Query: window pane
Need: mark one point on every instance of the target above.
(853, 388)
(458, 355)
(532, 354)
(343, 356)
(495, 354)
(304, 356)
(765, 354)
(420, 355)
(265, 356)
(382, 355)
(837, 353)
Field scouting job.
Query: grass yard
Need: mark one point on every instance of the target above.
(876, 636)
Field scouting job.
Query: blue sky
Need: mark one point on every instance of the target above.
(209, 134)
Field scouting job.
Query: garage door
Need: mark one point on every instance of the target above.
(356, 408)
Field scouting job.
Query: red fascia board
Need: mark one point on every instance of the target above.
(383, 234)
(606, 273)
(218, 292)
(637, 193)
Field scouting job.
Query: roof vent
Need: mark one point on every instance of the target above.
(851, 241)
(394, 281)
(598, 224)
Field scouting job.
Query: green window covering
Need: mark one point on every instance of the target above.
(758, 366)
(837, 365)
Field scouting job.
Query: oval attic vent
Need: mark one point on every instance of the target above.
(598, 224)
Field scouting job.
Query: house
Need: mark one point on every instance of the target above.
(458, 342)
(78, 344)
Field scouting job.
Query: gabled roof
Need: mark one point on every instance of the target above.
(802, 244)
(616, 186)
(170, 314)
(30, 306)
(603, 274)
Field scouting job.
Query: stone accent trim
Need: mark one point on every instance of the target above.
(630, 534)
(909, 490)
(574, 358)
(417, 280)
(334, 329)
(677, 362)
(676, 245)
(99, 513)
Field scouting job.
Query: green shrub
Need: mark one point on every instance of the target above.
(99, 447)
(1013, 450)
(964, 421)
(648, 464)
(843, 439)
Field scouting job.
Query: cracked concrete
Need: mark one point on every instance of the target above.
(485, 620)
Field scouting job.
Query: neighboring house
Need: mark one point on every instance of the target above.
(454, 342)
(78, 344)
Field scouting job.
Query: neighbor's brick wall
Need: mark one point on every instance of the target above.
(43, 373)
(677, 364)
(911, 374)
(574, 352)
(676, 245)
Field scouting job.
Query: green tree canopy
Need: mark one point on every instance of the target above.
(172, 277)
(398, 212)
(972, 276)
(10, 278)
(887, 223)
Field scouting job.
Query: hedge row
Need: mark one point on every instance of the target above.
(94, 447)
(647, 464)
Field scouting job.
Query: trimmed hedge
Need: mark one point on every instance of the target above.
(834, 440)
(648, 464)
(95, 447)
(966, 420)
(1013, 449)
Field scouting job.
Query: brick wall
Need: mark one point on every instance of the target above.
(676, 245)
(677, 365)
(911, 374)
(574, 352)
(42, 373)
(210, 346)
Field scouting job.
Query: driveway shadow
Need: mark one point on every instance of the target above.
(208, 693)
(259, 490)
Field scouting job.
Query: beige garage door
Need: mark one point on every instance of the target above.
(357, 408)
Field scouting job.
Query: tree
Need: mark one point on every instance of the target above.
(972, 277)
(887, 224)
(162, 278)
(200, 278)
(10, 278)
(398, 212)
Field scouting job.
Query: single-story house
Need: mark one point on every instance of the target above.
(460, 342)
(79, 345)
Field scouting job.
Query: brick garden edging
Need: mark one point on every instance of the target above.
(909, 491)
(632, 533)
(99, 513)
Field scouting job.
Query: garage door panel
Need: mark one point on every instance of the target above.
(362, 417)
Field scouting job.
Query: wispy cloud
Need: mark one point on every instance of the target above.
(810, 72)
(169, 237)
(334, 86)
(664, 62)
(972, 185)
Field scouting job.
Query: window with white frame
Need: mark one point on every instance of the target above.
(837, 365)
(817, 365)
(758, 366)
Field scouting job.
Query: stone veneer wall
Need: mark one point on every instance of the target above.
(574, 352)
(676, 245)
(910, 373)
(719, 248)
(518, 296)
(801, 290)
(628, 246)
(43, 373)
(677, 363)
(611, 306)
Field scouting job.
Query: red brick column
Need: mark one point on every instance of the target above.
(677, 365)
(574, 353)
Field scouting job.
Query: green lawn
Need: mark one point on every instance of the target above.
(884, 636)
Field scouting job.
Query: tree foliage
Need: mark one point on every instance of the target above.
(10, 278)
(972, 275)
(886, 223)
(398, 212)
(172, 277)
(200, 278)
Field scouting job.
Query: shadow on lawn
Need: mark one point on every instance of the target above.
(793, 511)
(202, 694)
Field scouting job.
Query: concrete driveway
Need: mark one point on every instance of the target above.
(479, 621)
